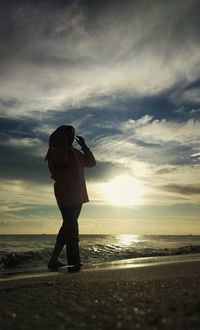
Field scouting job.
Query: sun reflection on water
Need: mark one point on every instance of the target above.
(128, 239)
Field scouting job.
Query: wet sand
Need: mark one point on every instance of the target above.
(160, 295)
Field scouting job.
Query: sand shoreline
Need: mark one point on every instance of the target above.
(120, 264)
(160, 296)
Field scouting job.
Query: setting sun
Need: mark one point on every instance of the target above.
(123, 190)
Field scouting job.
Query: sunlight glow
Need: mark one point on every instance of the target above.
(128, 239)
(123, 190)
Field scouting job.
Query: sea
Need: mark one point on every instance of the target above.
(19, 253)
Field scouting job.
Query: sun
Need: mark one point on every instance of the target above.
(123, 190)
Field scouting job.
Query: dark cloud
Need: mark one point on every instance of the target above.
(26, 24)
(9, 103)
(12, 128)
(42, 39)
(165, 170)
(183, 189)
(18, 163)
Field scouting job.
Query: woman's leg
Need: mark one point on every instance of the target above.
(70, 229)
(69, 235)
(60, 242)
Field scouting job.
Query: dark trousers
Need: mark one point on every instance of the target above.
(69, 233)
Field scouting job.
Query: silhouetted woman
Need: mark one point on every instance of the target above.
(66, 165)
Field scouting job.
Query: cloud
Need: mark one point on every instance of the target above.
(192, 95)
(197, 154)
(183, 189)
(133, 146)
(162, 131)
(22, 195)
(23, 159)
(165, 170)
(150, 140)
(177, 174)
(103, 171)
(92, 51)
(24, 144)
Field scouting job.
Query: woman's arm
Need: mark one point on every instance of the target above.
(89, 160)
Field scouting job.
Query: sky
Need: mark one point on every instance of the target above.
(126, 75)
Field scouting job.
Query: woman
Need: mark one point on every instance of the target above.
(66, 165)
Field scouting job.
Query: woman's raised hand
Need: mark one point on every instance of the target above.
(80, 140)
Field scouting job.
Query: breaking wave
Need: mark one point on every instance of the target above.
(90, 254)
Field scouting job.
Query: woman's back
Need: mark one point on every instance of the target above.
(67, 169)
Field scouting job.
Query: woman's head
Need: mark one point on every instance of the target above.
(63, 135)
(70, 131)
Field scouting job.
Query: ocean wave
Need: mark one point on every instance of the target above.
(97, 253)
(9, 260)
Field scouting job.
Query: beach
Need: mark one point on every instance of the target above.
(153, 294)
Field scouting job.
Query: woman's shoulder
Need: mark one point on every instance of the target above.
(58, 149)
(57, 154)
(78, 152)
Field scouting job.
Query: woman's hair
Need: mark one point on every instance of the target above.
(63, 136)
